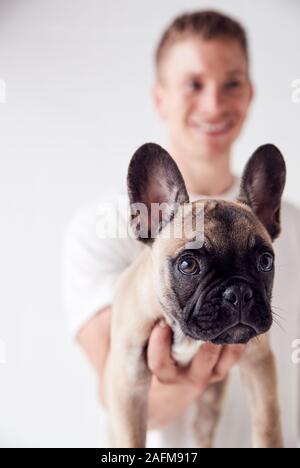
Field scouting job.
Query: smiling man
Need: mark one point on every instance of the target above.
(203, 93)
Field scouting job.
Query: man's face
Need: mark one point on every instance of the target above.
(204, 95)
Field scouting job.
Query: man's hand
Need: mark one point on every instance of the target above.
(174, 387)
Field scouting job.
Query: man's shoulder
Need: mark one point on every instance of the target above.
(109, 203)
(288, 241)
(290, 212)
(101, 226)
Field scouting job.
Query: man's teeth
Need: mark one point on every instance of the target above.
(212, 128)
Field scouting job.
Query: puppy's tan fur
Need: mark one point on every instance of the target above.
(136, 309)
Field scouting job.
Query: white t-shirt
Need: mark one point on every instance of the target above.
(92, 264)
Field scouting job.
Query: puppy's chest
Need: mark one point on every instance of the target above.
(184, 348)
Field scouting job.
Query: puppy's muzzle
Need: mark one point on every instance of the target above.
(232, 313)
(239, 297)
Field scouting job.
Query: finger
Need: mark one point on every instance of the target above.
(230, 355)
(160, 362)
(200, 371)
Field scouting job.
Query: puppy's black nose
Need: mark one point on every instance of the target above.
(238, 295)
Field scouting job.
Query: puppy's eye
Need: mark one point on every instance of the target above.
(266, 262)
(189, 266)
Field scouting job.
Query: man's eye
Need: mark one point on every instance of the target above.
(234, 84)
(195, 85)
(189, 266)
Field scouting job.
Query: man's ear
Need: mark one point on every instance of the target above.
(157, 94)
(262, 186)
(252, 93)
(153, 178)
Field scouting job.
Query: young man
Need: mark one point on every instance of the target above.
(203, 93)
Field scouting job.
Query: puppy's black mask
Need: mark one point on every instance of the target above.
(221, 292)
(225, 294)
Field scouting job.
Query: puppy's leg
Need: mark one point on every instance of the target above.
(127, 384)
(258, 370)
(208, 410)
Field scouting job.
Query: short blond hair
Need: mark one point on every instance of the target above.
(207, 24)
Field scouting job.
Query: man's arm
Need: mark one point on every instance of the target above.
(166, 402)
(172, 389)
(94, 338)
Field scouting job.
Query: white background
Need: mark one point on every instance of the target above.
(78, 74)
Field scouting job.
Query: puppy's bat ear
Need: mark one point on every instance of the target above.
(262, 186)
(153, 178)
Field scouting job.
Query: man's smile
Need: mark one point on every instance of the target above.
(212, 128)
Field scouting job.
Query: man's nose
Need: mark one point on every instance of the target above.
(211, 102)
(238, 295)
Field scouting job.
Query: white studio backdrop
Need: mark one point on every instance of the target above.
(75, 75)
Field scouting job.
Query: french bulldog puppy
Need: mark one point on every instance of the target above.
(214, 287)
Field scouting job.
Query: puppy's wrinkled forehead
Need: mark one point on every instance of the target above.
(232, 224)
(226, 225)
